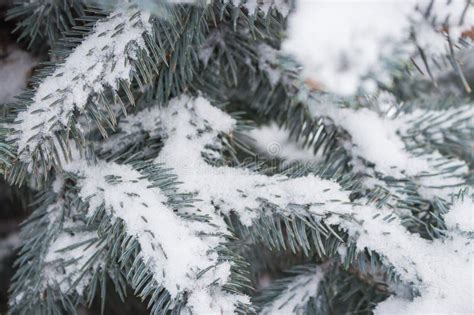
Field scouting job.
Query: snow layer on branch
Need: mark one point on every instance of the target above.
(440, 270)
(296, 295)
(175, 249)
(377, 139)
(101, 60)
(339, 42)
(67, 257)
(267, 62)
(191, 128)
(132, 129)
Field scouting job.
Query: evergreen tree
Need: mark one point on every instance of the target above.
(141, 141)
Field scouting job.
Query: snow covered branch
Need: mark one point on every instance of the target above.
(82, 78)
(181, 254)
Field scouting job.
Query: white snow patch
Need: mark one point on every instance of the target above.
(461, 215)
(375, 138)
(441, 270)
(267, 62)
(339, 41)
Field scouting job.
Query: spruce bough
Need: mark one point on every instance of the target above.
(137, 141)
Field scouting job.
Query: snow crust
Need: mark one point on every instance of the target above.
(440, 270)
(86, 72)
(178, 249)
(376, 139)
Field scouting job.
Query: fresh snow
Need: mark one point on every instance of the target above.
(440, 270)
(64, 260)
(376, 139)
(444, 284)
(176, 249)
(267, 62)
(190, 126)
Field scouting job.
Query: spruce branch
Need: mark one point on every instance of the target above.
(40, 131)
(57, 260)
(45, 19)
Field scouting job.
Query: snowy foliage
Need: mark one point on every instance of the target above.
(183, 156)
(191, 127)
